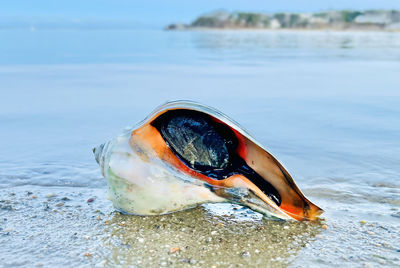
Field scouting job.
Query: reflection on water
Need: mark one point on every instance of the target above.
(260, 47)
(193, 47)
(199, 238)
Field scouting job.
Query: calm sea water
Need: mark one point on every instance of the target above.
(326, 104)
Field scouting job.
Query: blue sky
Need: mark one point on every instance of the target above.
(158, 13)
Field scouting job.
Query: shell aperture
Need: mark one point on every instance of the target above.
(208, 147)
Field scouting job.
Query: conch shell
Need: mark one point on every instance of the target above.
(185, 154)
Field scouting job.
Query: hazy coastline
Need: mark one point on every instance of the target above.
(341, 20)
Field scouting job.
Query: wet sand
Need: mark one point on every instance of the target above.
(70, 227)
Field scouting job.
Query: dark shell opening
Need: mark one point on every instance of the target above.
(197, 141)
(208, 147)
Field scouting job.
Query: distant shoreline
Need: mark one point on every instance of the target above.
(342, 20)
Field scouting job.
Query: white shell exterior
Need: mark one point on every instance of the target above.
(142, 184)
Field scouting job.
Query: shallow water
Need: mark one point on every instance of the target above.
(326, 104)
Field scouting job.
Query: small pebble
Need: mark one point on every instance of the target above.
(363, 222)
(370, 233)
(325, 227)
(87, 254)
(245, 254)
(378, 245)
(86, 237)
(98, 217)
(174, 250)
(285, 227)
(60, 204)
(51, 195)
(34, 196)
(213, 232)
(90, 200)
(141, 240)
